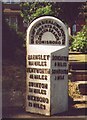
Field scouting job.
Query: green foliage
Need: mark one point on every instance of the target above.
(79, 43)
(42, 11)
(33, 10)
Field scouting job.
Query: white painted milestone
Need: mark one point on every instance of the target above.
(47, 66)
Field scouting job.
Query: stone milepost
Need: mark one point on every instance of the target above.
(47, 66)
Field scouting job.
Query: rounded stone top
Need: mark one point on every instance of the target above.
(47, 30)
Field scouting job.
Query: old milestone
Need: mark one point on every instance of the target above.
(47, 66)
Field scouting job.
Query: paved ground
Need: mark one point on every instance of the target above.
(18, 112)
(77, 109)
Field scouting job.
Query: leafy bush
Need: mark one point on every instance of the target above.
(42, 11)
(79, 43)
(33, 10)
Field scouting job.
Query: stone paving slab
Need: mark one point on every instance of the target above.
(67, 118)
(16, 112)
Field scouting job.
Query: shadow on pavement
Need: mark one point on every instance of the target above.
(19, 112)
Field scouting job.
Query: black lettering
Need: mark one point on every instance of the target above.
(60, 64)
(39, 85)
(37, 63)
(39, 106)
(30, 104)
(61, 58)
(51, 26)
(40, 77)
(38, 99)
(38, 57)
(59, 77)
(30, 90)
(37, 70)
(40, 91)
(59, 71)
